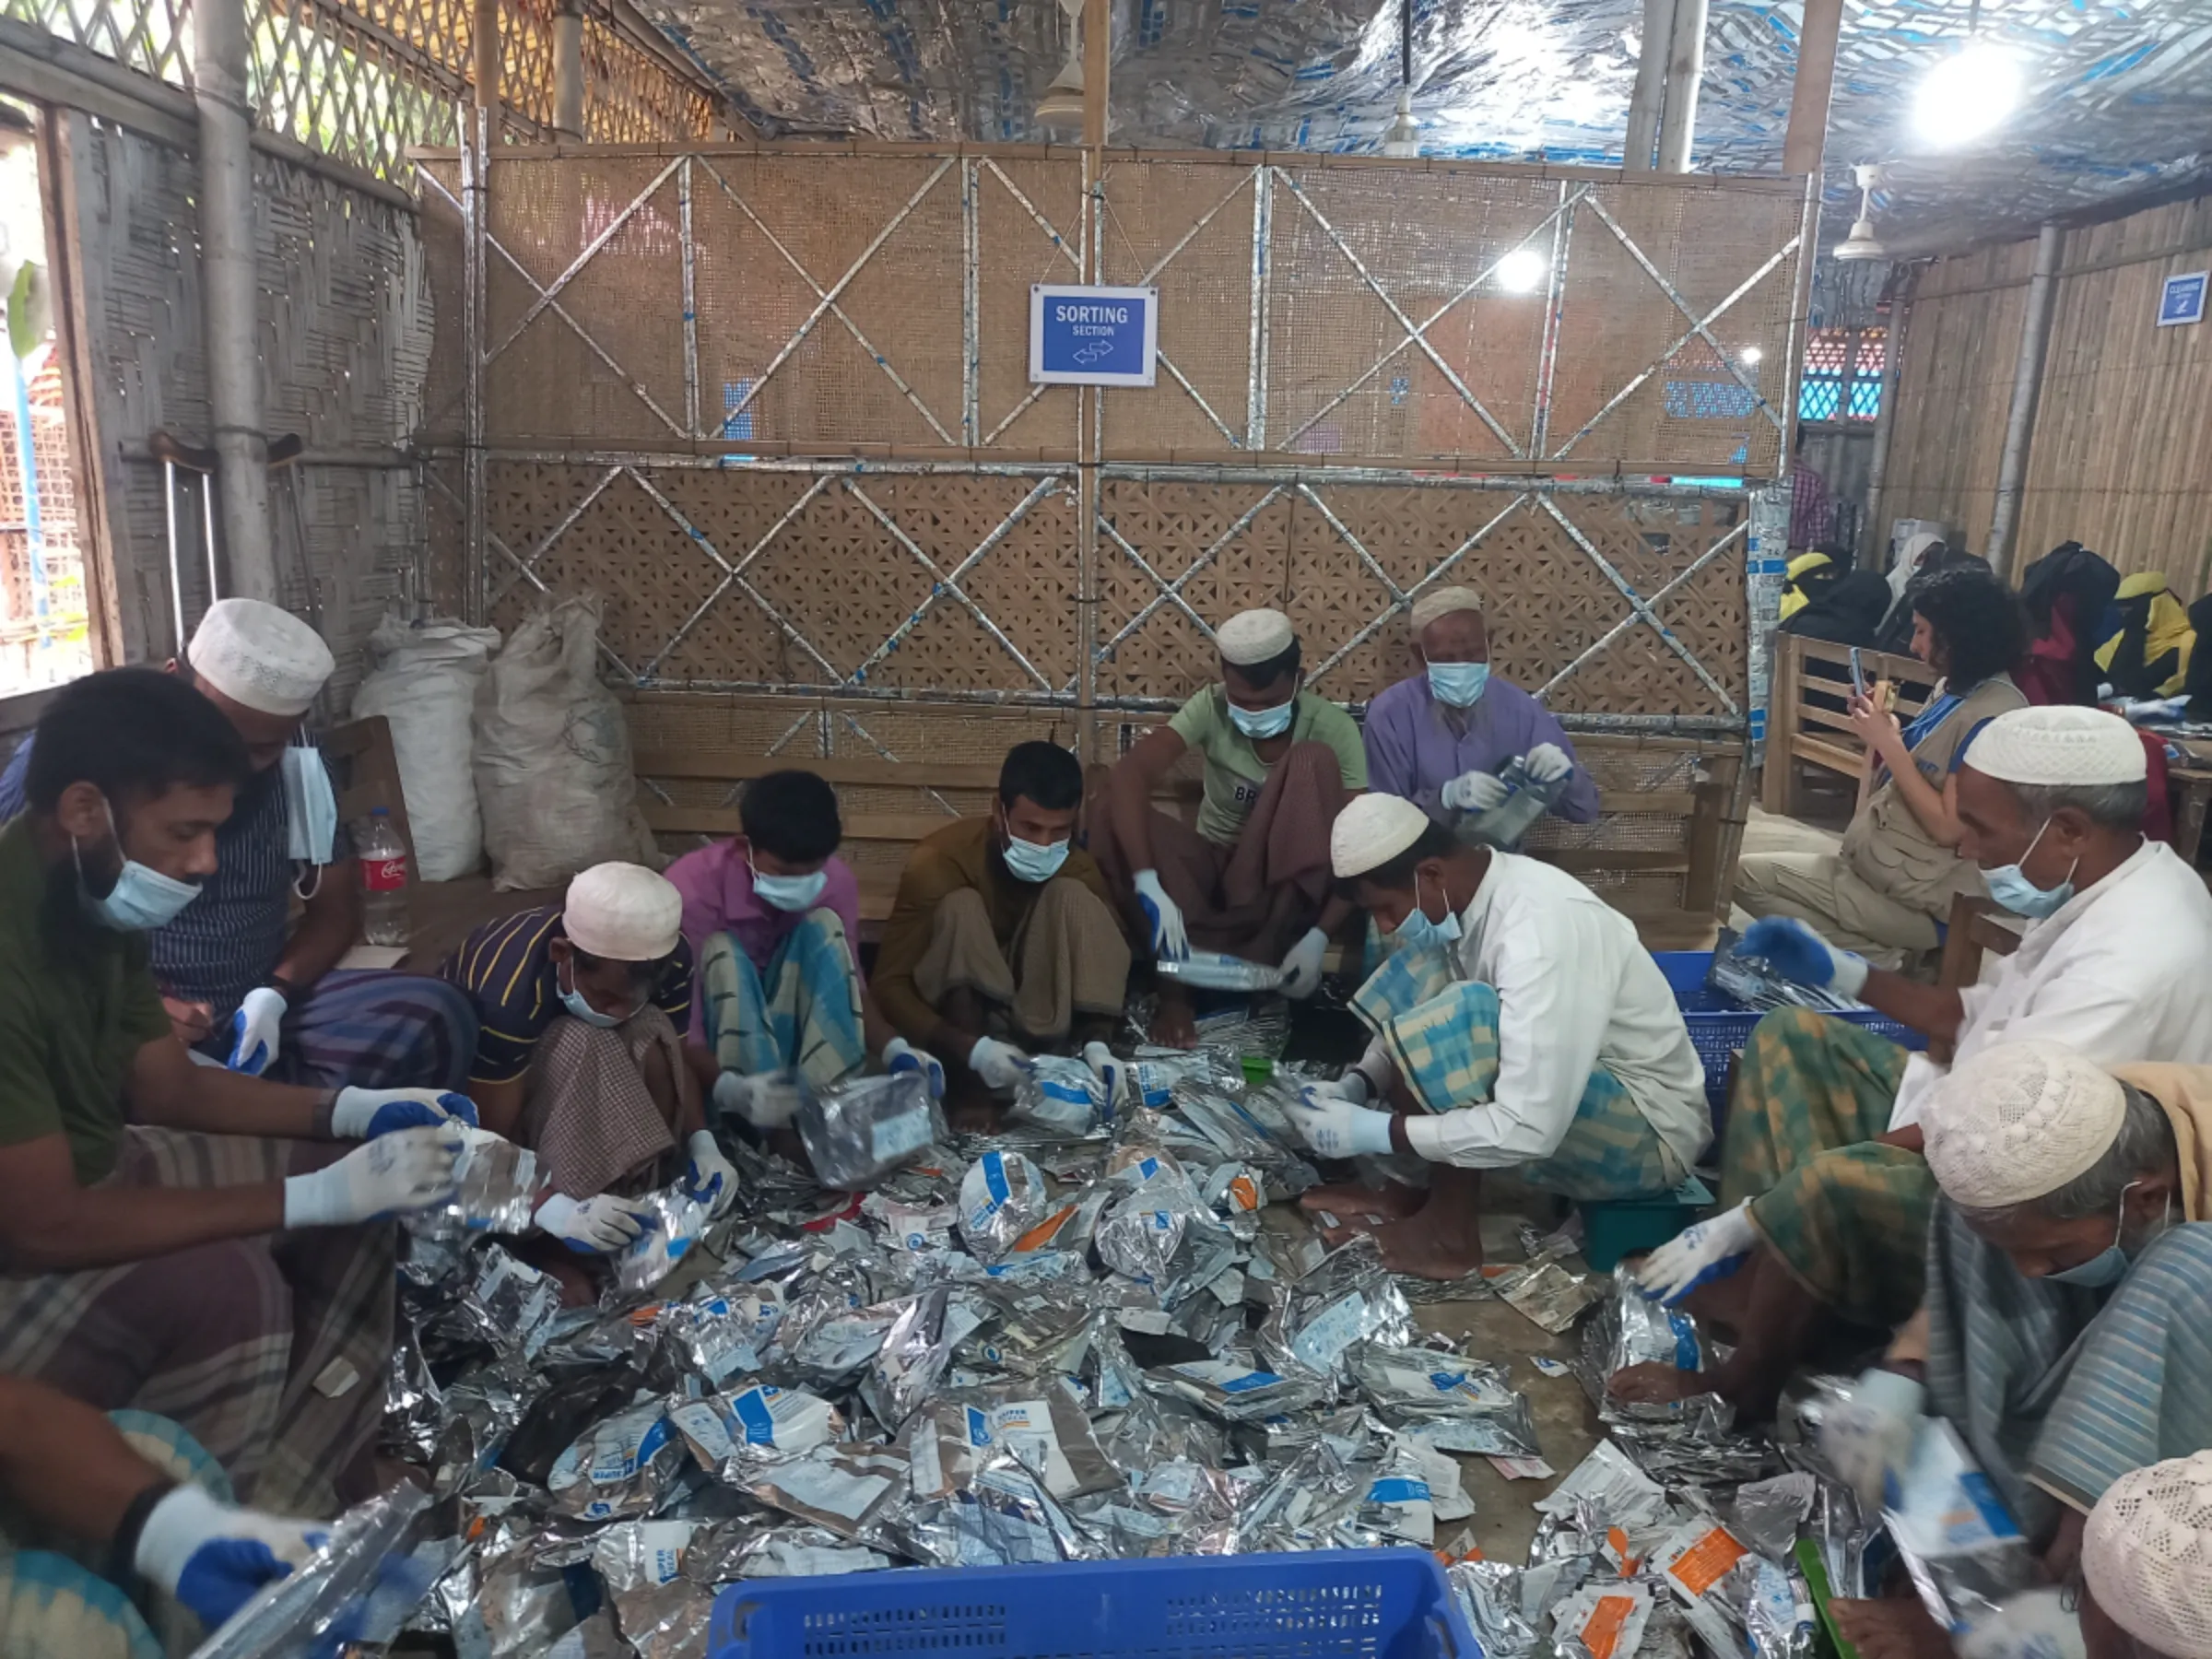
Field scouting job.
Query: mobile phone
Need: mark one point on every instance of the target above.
(1858, 672)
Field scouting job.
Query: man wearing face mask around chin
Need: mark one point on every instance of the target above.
(1443, 737)
(1822, 1168)
(1253, 878)
(247, 987)
(171, 1235)
(774, 918)
(1518, 1025)
(1004, 939)
(2063, 1335)
(581, 1058)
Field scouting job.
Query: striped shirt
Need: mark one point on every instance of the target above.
(230, 938)
(506, 968)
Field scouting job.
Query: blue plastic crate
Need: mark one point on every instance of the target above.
(1362, 1604)
(1719, 1025)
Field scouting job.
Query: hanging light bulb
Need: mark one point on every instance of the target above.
(1519, 271)
(1969, 94)
(1861, 244)
(1404, 139)
(1062, 104)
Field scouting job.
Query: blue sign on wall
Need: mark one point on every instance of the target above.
(1092, 336)
(2182, 300)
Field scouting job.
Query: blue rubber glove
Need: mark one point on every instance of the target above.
(365, 1113)
(256, 1031)
(213, 1557)
(1796, 952)
(899, 1055)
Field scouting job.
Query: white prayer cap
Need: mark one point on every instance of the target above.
(258, 656)
(1372, 831)
(1254, 636)
(2020, 1120)
(623, 912)
(1443, 602)
(2059, 745)
(2146, 1554)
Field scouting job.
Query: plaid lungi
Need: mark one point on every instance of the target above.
(271, 1352)
(588, 1112)
(1847, 1217)
(1441, 1033)
(802, 1012)
(53, 1602)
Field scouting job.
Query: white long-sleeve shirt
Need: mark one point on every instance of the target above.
(2120, 971)
(1576, 991)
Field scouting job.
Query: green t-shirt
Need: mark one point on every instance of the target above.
(71, 1022)
(1234, 773)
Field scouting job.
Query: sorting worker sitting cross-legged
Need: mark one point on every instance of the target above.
(772, 917)
(1253, 878)
(582, 1007)
(1518, 1025)
(1004, 937)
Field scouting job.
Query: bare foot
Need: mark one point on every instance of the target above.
(1173, 1024)
(1658, 1384)
(1393, 1200)
(1423, 1246)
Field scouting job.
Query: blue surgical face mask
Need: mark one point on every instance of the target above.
(794, 893)
(141, 899)
(2009, 886)
(572, 1000)
(310, 810)
(1031, 861)
(1459, 684)
(2108, 1265)
(1418, 932)
(1264, 723)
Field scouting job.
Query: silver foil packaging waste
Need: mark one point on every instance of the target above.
(618, 1467)
(1003, 1195)
(858, 1132)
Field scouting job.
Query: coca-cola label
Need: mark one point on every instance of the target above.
(384, 875)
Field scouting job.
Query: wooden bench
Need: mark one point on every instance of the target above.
(1801, 729)
(1977, 928)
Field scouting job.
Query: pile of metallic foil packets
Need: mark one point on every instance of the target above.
(1074, 1340)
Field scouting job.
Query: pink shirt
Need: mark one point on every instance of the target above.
(717, 886)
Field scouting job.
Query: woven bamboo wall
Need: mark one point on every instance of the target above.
(2119, 456)
(345, 337)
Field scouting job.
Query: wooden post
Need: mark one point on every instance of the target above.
(1781, 726)
(1098, 70)
(485, 55)
(1807, 140)
(568, 68)
(1091, 403)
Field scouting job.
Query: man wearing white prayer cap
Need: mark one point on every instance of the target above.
(1445, 736)
(1822, 1168)
(2146, 1564)
(1251, 879)
(583, 1007)
(245, 985)
(2063, 1335)
(1518, 1024)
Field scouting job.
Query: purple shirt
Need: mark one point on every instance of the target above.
(717, 886)
(1412, 750)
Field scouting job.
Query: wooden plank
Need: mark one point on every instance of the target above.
(1582, 861)
(1774, 789)
(736, 764)
(859, 827)
(1833, 756)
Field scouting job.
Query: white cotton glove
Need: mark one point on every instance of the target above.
(365, 1113)
(1796, 952)
(1109, 1072)
(754, 1101)
(1171, 939)
(407, 1170)
(899, 1055)
(1546, 763)
(254, 1031)
(1335, 1128)
(214, 1557)
(1353, 1088)
(1472, 792)
(595, 1225)
(1000, 1064)
(1697, 1254)
(2034, 1624)
(711, 1175)
(1301, 968)
(1868, 1439)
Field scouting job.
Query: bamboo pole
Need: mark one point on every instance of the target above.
(1806, 141)
(568, 68)
(1685, 70)
(2027, 389)
(1649, 95)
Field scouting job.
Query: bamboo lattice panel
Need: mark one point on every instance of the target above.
(1547, 602)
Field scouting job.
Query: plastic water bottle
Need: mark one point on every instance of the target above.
(383, 882)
